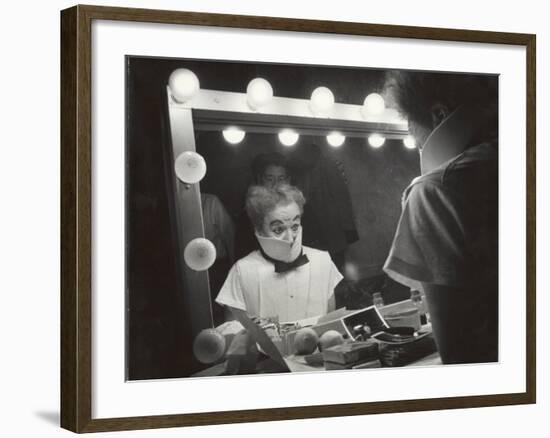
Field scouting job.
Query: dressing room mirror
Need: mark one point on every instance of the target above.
(345, 146)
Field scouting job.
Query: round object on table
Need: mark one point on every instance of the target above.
(305, 341)
(330, 338)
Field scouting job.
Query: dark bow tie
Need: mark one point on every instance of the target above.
(281, 267)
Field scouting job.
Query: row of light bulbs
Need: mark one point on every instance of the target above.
(190, 167)
(184, 85)
(288, 137)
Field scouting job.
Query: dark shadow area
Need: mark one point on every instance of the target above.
(51, 417)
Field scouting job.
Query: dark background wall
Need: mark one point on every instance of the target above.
(158, 344)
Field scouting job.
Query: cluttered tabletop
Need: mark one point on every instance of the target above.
(395, 335)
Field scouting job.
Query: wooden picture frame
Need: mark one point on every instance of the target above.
(76, 217)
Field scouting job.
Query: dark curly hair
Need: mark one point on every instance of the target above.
(416, 93)
(263, 161)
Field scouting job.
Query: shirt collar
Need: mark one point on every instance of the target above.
(453, 135)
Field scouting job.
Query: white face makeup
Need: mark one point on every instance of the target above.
(274, 175)
(284, 222)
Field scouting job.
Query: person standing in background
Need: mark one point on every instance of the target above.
(220, 230)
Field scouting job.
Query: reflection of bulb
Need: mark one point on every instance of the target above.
(335, 139)
(409, 142)
(183, 84)
(376, 140)
(259, 93)
(322, 101)
(288, 137)
(190, 167)
(233, 135)
(199, 254)
(209, 346)
(351, 271)
(374, 105)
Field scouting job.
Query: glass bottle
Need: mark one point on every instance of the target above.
(377, 299)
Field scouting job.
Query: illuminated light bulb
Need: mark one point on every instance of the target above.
(373, 105)
(288, 137)
(409, 142)
(190, 167)
(209, 346)
(199, 254)
(233, 135)
(183, 84)
(322, 101)
(259, 93)
(376, 140)
(335, 139)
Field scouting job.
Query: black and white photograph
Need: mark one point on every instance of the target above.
(275, 219)
(308, 218)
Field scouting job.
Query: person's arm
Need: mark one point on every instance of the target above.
(231, 293)
(429, 243)
(331, 303)
(334, 279)
(429, 253)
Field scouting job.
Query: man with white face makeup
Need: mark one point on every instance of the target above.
(268, 170)
(282, 279)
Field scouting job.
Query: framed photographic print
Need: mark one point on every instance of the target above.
(267, 218)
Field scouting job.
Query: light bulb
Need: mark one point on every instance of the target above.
(209, 346)
(288, 137)
(199, 254)
(322, 101)
(376, 140)
(335, 139)
(259, 93)
(373, 105)
(409, 142)
(190, 167)
(233, 135)
(183, 84)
